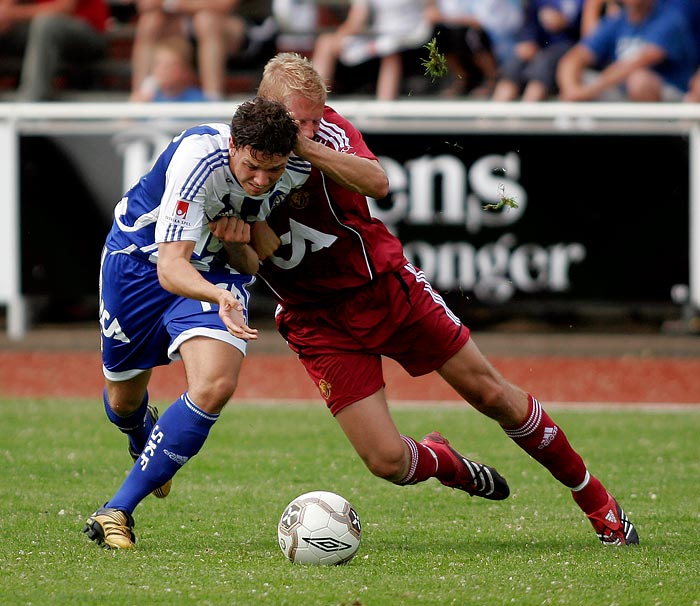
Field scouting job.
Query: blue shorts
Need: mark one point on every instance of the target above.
(143, 325)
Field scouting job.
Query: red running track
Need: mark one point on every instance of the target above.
(625, 380)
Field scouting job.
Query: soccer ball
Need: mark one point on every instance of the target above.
(319, 528)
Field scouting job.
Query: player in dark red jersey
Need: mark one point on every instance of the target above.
(348, 296)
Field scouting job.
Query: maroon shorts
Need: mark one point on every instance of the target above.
(399, 316)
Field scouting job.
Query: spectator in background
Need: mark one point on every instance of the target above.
(550, 29)
(472, 35)
(502, 20)
(646, 53)
(221, 29)
(693, 94)
(47, 33)
(594, 10)
(298, 21)
(691, 10)
(173, 77)
(382, 29)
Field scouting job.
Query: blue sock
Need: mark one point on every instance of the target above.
(177, 436)
(137, 426)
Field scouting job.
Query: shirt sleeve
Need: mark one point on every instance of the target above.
(187, 183)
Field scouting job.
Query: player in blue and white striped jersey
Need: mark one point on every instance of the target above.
(173, 284)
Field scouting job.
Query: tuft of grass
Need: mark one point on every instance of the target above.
(435, 65)
(213, 540)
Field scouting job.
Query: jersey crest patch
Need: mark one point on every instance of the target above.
(325, 388)
(299, 199)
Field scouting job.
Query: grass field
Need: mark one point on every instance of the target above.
(213, 540)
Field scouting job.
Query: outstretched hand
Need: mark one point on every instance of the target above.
(231, 314)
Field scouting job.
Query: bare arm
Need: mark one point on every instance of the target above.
(619, 71)
(263, 239)
(570, 72)
(177, 275)
(592, 12)
(235, 235)
(357, 174)
(590, 15)
(571, 66)
(355, 21)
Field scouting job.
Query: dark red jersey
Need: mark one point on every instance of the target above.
(331, 245)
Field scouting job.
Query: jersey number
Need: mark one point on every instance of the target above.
(298, 235)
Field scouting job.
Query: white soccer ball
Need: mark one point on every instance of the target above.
(319, 528)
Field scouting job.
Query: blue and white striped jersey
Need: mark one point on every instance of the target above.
(190, 184)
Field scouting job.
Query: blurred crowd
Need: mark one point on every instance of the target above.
(502, 50)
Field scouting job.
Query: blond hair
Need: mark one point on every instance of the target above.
(288, 74)
(180, 47)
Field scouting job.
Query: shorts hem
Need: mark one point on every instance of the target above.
(210, 333)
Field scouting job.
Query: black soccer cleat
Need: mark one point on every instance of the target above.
(476, 479)
(612, 525)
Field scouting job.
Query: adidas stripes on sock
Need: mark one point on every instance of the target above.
(546, 442)
(177, 436)
(424, 463)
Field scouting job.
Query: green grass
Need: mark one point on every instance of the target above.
(213, 540)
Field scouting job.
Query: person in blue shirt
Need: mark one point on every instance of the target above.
(646, 53)
(550, 29)
(173, 77)
(174, 278)
(691, 10)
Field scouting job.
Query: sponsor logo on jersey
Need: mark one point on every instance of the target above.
(325, 388)
(182, 208)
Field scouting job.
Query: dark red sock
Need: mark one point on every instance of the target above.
(592, 496)
(424, 463)
(545, 442)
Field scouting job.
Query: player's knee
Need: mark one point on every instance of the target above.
(492, 399)
(642, 85)
(212, 396)
(504, 403)
(123, 408)
(387, 465)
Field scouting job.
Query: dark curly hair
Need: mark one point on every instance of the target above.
(266, 126)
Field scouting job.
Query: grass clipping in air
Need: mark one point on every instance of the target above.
(506, 201)
(435, 65)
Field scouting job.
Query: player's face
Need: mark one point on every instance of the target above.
(256, 174)
(307, 113)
